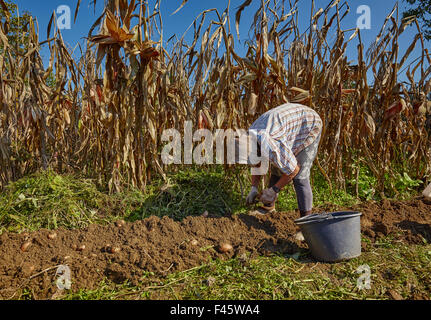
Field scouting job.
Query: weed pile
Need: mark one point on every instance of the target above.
(192, 193)
(48, 200)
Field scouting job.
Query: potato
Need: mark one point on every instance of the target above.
(120, 223)
(25, 245)
(52, 235)
(114, 250)
(225, 247)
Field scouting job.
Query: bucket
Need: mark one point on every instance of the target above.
(332, 237)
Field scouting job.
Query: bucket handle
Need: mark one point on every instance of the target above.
(331, 216)
(328, 216)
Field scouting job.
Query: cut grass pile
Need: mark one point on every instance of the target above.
(191, 193)
(48, 200)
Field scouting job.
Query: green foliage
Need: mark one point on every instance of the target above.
(48, 200)
(17, 28)
(399, 185)
(365, 182)
(191, 193)
(322, 197)
(51, 81)
(404, 184)
(422, 10)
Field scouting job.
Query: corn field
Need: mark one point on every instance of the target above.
(105, 113)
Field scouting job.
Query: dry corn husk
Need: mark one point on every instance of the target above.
(106, 112)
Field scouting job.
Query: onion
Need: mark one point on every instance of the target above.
(194, 242)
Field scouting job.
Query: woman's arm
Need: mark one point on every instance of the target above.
(255, 180)
(286, 179)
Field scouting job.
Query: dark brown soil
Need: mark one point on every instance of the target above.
(163, 245)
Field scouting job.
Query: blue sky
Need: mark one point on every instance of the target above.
(178, 23)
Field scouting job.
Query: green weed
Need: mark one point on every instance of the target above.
(190, 193)
(48, 200)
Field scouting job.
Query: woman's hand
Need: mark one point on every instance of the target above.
(268, 196)
(251, 199)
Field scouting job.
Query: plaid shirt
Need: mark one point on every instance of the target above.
(284, 132)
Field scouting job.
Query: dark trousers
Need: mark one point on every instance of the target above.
(304, 193)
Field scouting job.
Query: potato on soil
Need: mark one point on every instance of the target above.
(225, 247)
(28, 269)
(120, 223)
(25, 245)
(114, 250)
(52, 235)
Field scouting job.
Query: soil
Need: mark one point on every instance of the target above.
(162, 245)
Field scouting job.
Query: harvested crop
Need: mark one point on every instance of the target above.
(225, 248)
(52, 235)
(25, 246)
(120, 223)
(114, 250)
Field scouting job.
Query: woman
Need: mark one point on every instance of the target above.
(289, 137)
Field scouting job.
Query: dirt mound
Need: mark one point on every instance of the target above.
(162, 246)
(408, 221)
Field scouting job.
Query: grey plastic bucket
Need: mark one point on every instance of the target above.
(332, 237)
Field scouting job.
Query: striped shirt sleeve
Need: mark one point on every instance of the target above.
(279, 154)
